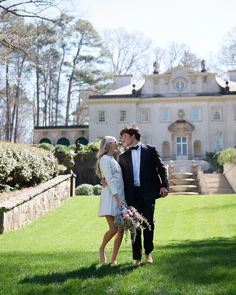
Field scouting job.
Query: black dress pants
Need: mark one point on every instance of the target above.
(146, 208)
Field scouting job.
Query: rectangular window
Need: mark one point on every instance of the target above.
(196, 114)
(101, 117)
(123, 116)
(218, 142)
(217, 114)
(144, 115)
(165, 117)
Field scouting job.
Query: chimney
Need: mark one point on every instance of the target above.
(121, 80)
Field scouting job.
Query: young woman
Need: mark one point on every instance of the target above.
(112, 196)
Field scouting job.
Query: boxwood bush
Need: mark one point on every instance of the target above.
(84, 189)
(25, 165)
(97, 188)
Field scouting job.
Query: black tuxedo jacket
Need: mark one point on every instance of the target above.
(153, 173)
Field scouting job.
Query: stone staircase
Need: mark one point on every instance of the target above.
(214, 183)
(183, 183)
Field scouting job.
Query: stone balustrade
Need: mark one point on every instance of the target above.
(29, 204)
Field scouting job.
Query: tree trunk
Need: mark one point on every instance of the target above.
(37, 96)
(75, 60)
(15, 112)
(58, 87)
(8, 105)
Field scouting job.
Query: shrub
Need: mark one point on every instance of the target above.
(25, 165)
(212, 158)
(227, 156)
(97, 189)
(60, 152)
(89, 149)
(46, 146)
(84, 189)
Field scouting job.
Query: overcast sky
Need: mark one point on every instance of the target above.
(200, 24)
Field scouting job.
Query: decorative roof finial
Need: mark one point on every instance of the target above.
(155, 67)
(203, 65)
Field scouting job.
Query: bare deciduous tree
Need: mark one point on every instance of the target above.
(226, 59)
(126, 52)
(27, 8)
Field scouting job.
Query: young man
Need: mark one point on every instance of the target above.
(145, 179)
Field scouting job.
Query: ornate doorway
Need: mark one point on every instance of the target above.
(181, 138)
(181, 147)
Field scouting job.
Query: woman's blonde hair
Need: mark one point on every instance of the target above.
(103, 150)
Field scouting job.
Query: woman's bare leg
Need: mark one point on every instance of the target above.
(107, 237)
(116, 246)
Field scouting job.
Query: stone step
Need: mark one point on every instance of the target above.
(183, 188)
(184, 193)
(182, 181)
(182, 175)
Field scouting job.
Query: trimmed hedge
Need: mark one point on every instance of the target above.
(24, 165)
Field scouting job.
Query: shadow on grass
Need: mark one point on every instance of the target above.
(190, 267)
(93, 270)
(207, 261)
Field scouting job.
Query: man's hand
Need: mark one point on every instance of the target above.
(103, 182)
(163, 192)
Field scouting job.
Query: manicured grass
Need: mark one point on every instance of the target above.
(195, 252)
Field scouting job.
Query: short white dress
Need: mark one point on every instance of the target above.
(111, 171)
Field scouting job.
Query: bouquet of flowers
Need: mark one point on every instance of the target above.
(128, 218)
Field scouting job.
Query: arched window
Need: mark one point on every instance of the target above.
(45, 140)
(165, 149)
(63, 141)
(197, 148)
(81, 140)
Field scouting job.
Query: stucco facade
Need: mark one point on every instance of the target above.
(184, 113)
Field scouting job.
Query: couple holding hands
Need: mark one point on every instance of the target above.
(136, 179)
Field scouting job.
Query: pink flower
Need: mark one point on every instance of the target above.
(128, 219)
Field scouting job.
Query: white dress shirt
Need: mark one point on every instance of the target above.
(136, 157)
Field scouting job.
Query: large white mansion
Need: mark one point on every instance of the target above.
(184, 113)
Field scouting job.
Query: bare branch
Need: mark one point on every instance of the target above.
(29, 8)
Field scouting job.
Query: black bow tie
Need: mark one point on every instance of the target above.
(134, 147)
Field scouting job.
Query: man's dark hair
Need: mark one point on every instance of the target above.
(133, 130)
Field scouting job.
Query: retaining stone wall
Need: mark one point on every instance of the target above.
(230, 174)
(28, 205)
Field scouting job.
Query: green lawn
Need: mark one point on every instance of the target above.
(195, 252)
